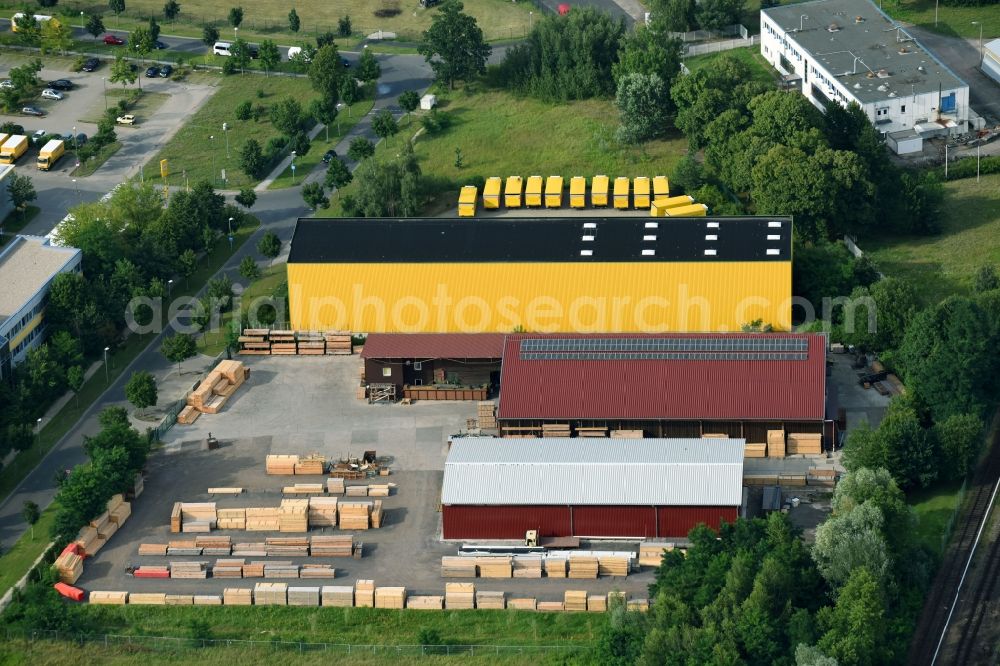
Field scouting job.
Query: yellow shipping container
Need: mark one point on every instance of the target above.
(693, 210)
(533, 192)
(578, 192)
(599, 191)
(661, 187)
(674, 202)
(553, 192)
(640, 188)
(621, 192)
(467, 201)
(513, 191)
(491, 192)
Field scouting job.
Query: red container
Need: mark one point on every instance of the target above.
(139, 573)
(68, 591)
(73, 548)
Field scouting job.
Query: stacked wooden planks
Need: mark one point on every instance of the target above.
(338, 343)
(354, 515)
(597, 603)
(106, 598)
(583, 567)
(380, 489)
(555, 430)
(550, 607)
(254, 569)
(178, 599)
(378, 514)
(792, 480)
(332, 546)
(254, 341)
(228, 568)
(458, 567)
(270, 594)
(356, 491)
(287, 546)
(198, 516)
(105, 528)
(459, 595)
(323, 511)
(425, 602)
(776, 443)
(490, 600)
(817, 476)
(207, 600)
(612, 565)
(237, 596)
(304, 489)
(527, 566)
(364, 593)
(282, 343)
(311, 464)
(575, 600)
(212, 393)
(338, 596)
(147, 599)
(555, 565)
(591, 431)
(152, 572)
(311, 343)
(495, 566)
(231, 519)
(303, 596)
(69, 564)
(263, 519)
(313, 571)
(153, 549)
(626, 434)
(335, 486)
(754, 450)
(280, 464)
(293, 516)
(89, 540)
(214, 545)
(281, 569)
(390, 597)
(175, 518)
(522, 603)
(183, 547)
(486, 415)
(188, 570)
(651, 552)
(641, 605)
(809, 444)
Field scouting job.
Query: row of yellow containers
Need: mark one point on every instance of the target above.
(515, 194)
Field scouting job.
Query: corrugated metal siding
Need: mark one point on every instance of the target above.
(503, 522)
(660, 389)
(433, 345)
(614, 521)
(677, 521)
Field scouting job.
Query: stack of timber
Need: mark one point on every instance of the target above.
(108, 598)
(311, 464)
(281, 569)
(575, 600)
(626, 434)
(490, 600)
(641, 605)
(555, 565)
(69, 564)
(270, 594)
(211, 394)
(356, 491)
(152, 572)
(651, 552)
(237, 596)
(304, 489)
(153, 549)
(280, 464)
(591, 431)
(293, 516)
(425, 602)
(214, 545)
(754, 450)
(809, 444)
(523, 603)
(583, 567)
(495, 566)
(612, 565)
(89, 540)
(390, 597)
(550, 607)
(207, 600)
(760, 479)
(458, 567)
(817, 476)
(254, 341)
(597, 603)
(303, 596)
(147, 599)
(335, 486)
(459, 595)
(313, 571)
(175, 518)
(198, 516)
(254, 569)
(179, 599)
(776, 443)
(282, 343)
(118, 510)
(322, 512)
(229, 568)
(378, 514)
(338, 343)
(527, 566)
(104, 526)
(311, 343)
(338, 596)
(183, 547)
(354, 515)
(287, 546)
(380, 489)
(188, 570)
(263, 519)
(332, 546)
(555, 430)
(364, 593)
(231, 519)
(188, 415)
(487, 415)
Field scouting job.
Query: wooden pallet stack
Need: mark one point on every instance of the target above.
(495, 566)
(175, 518)
(313, 464)
(583, 567)
(523, 603)
(280, 464)
(270, 594)
(597, 603)
(626, 434)
(303, 596)
(281, 569)
(263, 519)
(89, 541)
(592, 431)
(575, 600)
(555, 430)
(458, 567)
(214, 545)
(459, 595)
(189, 570)
(311, 343)
(338, 596)
(237, 596)
(228, 568)
(147, 599)
(527, 566)
(254, 341)
(378, 514)
(803, 443)
(212, 393)
(364, 593)
(354, 515)
(322, 511)
(316, 571)
(754, 450)
(651, 552)
(425, 602)
(490, 600)
(287, 546)
(119, 510)
(555, 565)
(390, 597)
(380, 489)
(332, 546)
(817, 476)
(105, 528)
(335, 486)
(254, 569)
(231, 519)
(293, 516)
(487, 415)
(207, 600)
(158, 549)
(303, 489)
(356, 491)
(776, 443)
(612, 565)
(338, 343)
(183, 547)
(198, 516)
(69, 564)
(550, 607)
(282, 343)
(150, 571)
(106, 598)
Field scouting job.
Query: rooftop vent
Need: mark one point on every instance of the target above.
(903, 50)
(882, 87)
(870, 75)
(859, 19)
(857, 86)
(833, 27)
(883, 73)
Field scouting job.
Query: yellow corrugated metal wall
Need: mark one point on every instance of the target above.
(539, 297)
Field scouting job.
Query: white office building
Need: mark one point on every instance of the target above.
(991, 59)
(849, 51)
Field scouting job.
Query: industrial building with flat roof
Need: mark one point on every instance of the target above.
(28, 264)
(845, 51)
(426, 359)
(540, 274)
(501, 488)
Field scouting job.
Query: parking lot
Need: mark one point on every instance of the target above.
(301, 405)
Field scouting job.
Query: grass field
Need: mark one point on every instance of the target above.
(144, 107)
(942, 265)
(934, 509)
(15, 560)
(17, 220)
(500, 135)
(955, 21)
(270, 283)
(761, 70)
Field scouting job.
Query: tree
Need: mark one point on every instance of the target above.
(210, 35)
(154, 29)
(900, 444)
(269, 55)
(95, 25)
(325, 112)
(171, 9)
(675, 15)
(239, 56)
(121, 71)
(717, 14)
(287, 116)
(140, 42)
(269, 245)
(48, 3)
(986, 279)
(252, 161)
(644, 52)
(21, 191)
(369, 68)
(117, 6)
(959, 438)
(20, 436)
(409, 101)
(855, 628)
(895, 305)
(141, 390)
(349, 90)
(247, 197)
(235, 16)
(454, 46)
(314, 196)
(326, 73)
(179, 348)
(186, 263)
(360, 149)
(642, 100)
(249, 269)
(384, 125)
(74, 380)
(293, 20)
(337, 175)
(30, 513)
(344, 26)
(848, 541)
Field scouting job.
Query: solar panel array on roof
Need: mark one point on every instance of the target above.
(666, 349)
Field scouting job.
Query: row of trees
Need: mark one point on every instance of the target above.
(685, 15)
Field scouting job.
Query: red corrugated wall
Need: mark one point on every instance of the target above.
(677, 521)
(504, 522)
(614, 521)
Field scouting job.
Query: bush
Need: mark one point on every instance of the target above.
(344, 26)
(966, 167)
(244, 110)
(435, 122)
(275, 147)
(300, 143)
(77, 65)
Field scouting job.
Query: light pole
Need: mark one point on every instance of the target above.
(107, 375)
(230, 234)
(936, 3)
(340, 105)
(77, 187)
(293, 167)
(212, 139)
(236, 33)
(105, 80)
(76, 144)
(977, 160)
(170, 285)
(982, 54)
(531, 16)
(225, 130)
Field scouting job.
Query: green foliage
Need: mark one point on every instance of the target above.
(642, 101)
(436, 122)
(293, 20)
(220, 290)
(827, 270)
(171, 9)
(344, 26)
(349, 90)
(314, 196)
(674, 15)
(337, 174)
(369, 68)
(387, 190)
(269, 245)
(56, 36)
(360, 149)
(239, 55)
(643, 52)
(287, 116)
(140, 390)
(249, 269)
(269, 55)
(95, 25)
(235, 16)
(21, 191)
(30, 512)
(113, 416)
(855, 628)
(154, 28)
(210, 35)
(717, 14)
(895, 304)
(986, 279)
(326, 73)
(244, 110)
(384, 125)
(117, 6)
(409, 101)
(179, 348)
(252, 161)
(959, 439)
(454, 46)
(246, 197)
(121, 71)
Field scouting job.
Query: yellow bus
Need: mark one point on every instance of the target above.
(39, 20)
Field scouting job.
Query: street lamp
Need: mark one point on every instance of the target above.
(212, 139)
(76, 144)
(230, 234)
(107, 376)
(340, 105)
(293, 167)
(225, 130)
(170, 285)
(105, 80)
(982, 54)
(77, 188)
(236, 33)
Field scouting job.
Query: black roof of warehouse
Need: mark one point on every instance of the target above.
(583, 239)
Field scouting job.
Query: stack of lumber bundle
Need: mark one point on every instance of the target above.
(311, 343)
(69, 564)
(188, 570)
(303, 596)
(523, 603)
(323, 511)
(311, 464)
(293, 516)
(254, 569)
(178, 599)
(792, 480)
(214, 545)
(550, 607)
(626, 434)
(198, 516)
(555, 430)
(425, 602)
(183, 547)
(583, 567)
(287, 546)
(108, 598)
(575, 600)
(231, 519)
(527, 566)
(256, 549)
(119, 510)
(378, 513)
(254, 341)
(597, 603)
(776, 443)
(612, 565)
(754, 450)
(282, 343)
(356, 491)
(152, 572)
(335, 486)
(283, 569)
(175, 518)
(230, 568)
(641, 605)
(390, 597)
(458, 567)
(364, 593)
(89, 540)
(332, 546)
(354, 515)
(237, 596)
(207, 600)
(263, 519)
(803, 443)
(760, 479)
(338, 596)
(817, 476)
(490, 600)
(104, 526)
(338, 343)
(487, 415)
(317, 571)
(459, 595)
(495, 566)
(304, 489)
(153, 549)
(147, 599)
(591, 431)
(616, 597)
(270, 594)
(280, 464)
(380, 489)
(555, 565)
(651, 552)
(188, 415)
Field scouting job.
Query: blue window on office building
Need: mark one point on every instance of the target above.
(948, 103)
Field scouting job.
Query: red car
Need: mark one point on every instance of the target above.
(563, 9)
(112, 40)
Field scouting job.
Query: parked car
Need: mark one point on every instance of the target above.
(90, 64)
(113, 40)
(159, 46)
(127, 119)
(6, 83)
(345, 62)
(37, 136)
(74, 140)
(328, 156)
(152, 72)
(81, 139)
(166, 71)
(61, 84)
(49, 93)
(32, 111)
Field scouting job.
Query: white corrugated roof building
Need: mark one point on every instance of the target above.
(594, 471)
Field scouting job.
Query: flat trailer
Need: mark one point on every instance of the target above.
(693, 210)
(491, 192)
(660, 207)
(640, 192)
(467, 201)
(599, 192)
(621, 192)
(553, 192)
(578, 192)
(513, 192)
(533, 191)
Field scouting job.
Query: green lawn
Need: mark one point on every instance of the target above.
(144, 107)
(761, 70)
(934, 509)
(16, 221)
(271, 282)
(98, 160)
(191, 150)
(955, 21)
(500, 134)
(943, 265)
(16, 560)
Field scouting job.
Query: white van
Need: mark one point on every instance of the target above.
(294, 51)
(222, 49)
